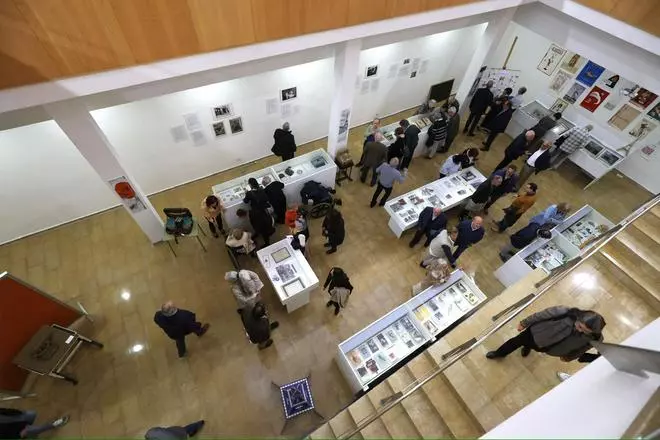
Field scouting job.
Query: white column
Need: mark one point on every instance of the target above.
(79, 125)
(347, 64)
(487, 45)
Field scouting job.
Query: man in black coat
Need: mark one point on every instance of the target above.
(411, 139)
(257, 325)
(261, 221)
(518, 147)
(535, 163)
(498, 124)
(469, 232)
(480, 102)
(523, 238)
(509, 184)
(333, 229)
(256, 197)
(477, 201)
(274, 192)
(177, 323)
(285, 144)
(430, 222)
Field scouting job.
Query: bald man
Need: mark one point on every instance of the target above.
(469, 232)
(517, 148)
(177, 323)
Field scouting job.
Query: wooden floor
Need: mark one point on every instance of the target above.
(225, 380)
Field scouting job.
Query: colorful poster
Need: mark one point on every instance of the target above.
(622, 89)
(551, 59)
(594, 99)
(655, 112)
(558, 82)
(623, 117)
(643, 98)
(559, 106)
(590, 73)
(574, 93)
(572, 63)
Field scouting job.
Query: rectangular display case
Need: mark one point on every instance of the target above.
(376, 351)
(445, 193)
(569, 239)
(289, 272)
(421, 121)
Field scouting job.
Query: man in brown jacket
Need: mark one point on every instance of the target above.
(518, 207)
(374, 153)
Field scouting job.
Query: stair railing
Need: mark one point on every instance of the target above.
(504, 317)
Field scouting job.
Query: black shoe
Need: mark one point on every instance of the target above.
(421, 264)
(412, 244)
(204, 329)
(337, 312)
(470, 134)
(492, 355)
(268, 344)
(215, 235)
(525, 351)
(427, 243)
(274, 325)
(331, 251)
(484, 149)
(486, 211)
(381, 204)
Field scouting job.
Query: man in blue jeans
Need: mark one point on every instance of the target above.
(15, 424)
(174, 432)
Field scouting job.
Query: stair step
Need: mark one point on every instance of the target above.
(453, 411)
(634, 268)
(639, 243)
(396, 420)
(649, 224)
(419, 408)
(360, 410)
(656, 210)
(342, 423)
(323, 432)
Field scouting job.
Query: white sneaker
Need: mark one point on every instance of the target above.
(563, 376)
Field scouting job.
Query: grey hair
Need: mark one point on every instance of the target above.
(394, 161)
(286, 126)
(589, 127)
(451, 110)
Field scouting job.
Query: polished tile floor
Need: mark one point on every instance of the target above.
(224, 379)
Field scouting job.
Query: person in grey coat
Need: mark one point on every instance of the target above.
(558, 331)
(374, 153)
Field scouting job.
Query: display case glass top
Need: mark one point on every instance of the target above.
(536, 110)
(421, 121)
(233, 191)
(287, 269)
(302, 166)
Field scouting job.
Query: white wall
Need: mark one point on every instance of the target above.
(448, 56)
(45, 181)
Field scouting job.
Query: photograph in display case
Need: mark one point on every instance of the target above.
(583, 231)
(593, 148)
(236, 125)
(468, 175)
(415, 199)
(219, 129)
(286, 272)
(293, 287)
(609, 158)
(547, 258)
(428, 191)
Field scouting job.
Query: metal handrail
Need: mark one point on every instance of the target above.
(459, 352)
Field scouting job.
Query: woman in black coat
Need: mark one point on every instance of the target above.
(397, 148)
(333, 229)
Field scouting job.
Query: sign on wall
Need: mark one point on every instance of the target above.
(123, 188)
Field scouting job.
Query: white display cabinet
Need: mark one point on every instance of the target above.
(316, 165)
(568, 241)
(371, 354)
(445, 193)
(289, 272)
(421, 121)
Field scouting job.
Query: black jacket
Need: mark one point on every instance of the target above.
(258, 329)
(426, 222)
(542, 162)
(276, 196)
(466, 236)
(500, 121)
(453, 126)
(337, 278)
(11, 424)
(178, 325)
(411, 138)
(525, 235)
(481, 100)
(257, 198)
(542, 127)
(517, 147)
(396, 149)
(261, 221)
(284, 143)
(333, 225)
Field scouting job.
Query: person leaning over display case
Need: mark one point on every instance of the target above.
(509, 185)
(212, 211)
(262, 222)
(276, 198)
(495, 107)
(285, 143)
(522, 238)
(397, 148)
(339, 287)
(475, 204)
(545, 124)
(517, 148)
(518, 207)
(469, 157)
(411, 139)
(388, 174)
(430, 222)
(469, 233)
(241, 242)
(333, 228)
(374, 153)
(442, 247)
(452, 165)
(256, 197)
(552, 215)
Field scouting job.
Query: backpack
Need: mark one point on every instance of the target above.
(179, 221)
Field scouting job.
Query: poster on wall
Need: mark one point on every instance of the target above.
(643, 98)
(572, 63)
(123, 188)
(559, 106)
(501, 79)
(222, 111)
(642, 129)
(236, 125)
(344, 119)
(179, 133)
(594, 99)
(371, 71)
(649, 151)
(558, 82)
(623, 117)
(219, 129)
(289, 94)
(574, 93)
(622, 90)
(590, 73)
(551, 59)
(655, 112)
(271, 106)
(609, 79)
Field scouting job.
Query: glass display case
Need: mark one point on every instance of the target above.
(421, 121)
(585, 229)
(232, 192)
(302, 167)
(548, 257)
(536, 110)
(593, 148)
(610, 158)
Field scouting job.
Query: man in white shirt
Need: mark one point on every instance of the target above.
(517, 101)
(537, 162)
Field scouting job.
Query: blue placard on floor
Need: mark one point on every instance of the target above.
(296, 398)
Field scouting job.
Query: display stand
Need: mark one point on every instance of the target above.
(569, 239)
(289, 272)
(445, 193)
(294, 173)
(375, 352)
(421, 121)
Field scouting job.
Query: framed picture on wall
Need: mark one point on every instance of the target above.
(559, 106)
(551, 59)
(289, 94)
(623, 117)
(655, 112)
(590, 73)
(236, 125)
(222, 111)
(572, 63)
(219, 129)
(574, 93)
(643, 98)
(559, 81)
(371, 71)
(642, 128)
(594, 99)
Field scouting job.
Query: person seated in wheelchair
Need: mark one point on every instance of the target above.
(296, 221)
(240, 242)
(318, 197)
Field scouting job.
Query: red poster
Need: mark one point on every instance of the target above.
(594, 99)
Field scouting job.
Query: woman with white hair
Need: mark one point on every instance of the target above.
(246, 287)
(241, 241)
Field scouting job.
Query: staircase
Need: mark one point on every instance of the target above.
(472, 396)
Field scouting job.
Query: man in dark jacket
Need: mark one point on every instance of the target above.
(558, 331)
(476, 203)
(535, 163)
(509, 184)
(256, 197)
(498, 124)
(257, 325)
(469, 233)
(411, 139)
(285, 144)
(274, 192)
(177, 323)
(333, 229)
(374, 153)
(261, 221)
(478, 105)
(436, 134)
(545, 123)
(174, 432)
(518, 147)
(453, 125)
(430, 222)
(524, 237)
(15, 423)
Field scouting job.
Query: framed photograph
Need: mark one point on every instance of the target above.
(371, 71)
(236, 125)
(551, 59)
(642, 129)
(219, 129)
(559, 81)
(574, 93)
(572, 63)
(293, 287)
(594, 99)
(590, 73)
(222, 111)
(280, 255)
(406, 61)
(610, 79)
(289, 94)
(643, 98)
(623, 117)
(559, 106)
(655, 112)
(649, 151)
(413, 74)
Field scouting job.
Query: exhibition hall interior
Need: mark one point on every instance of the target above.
(345, 219)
